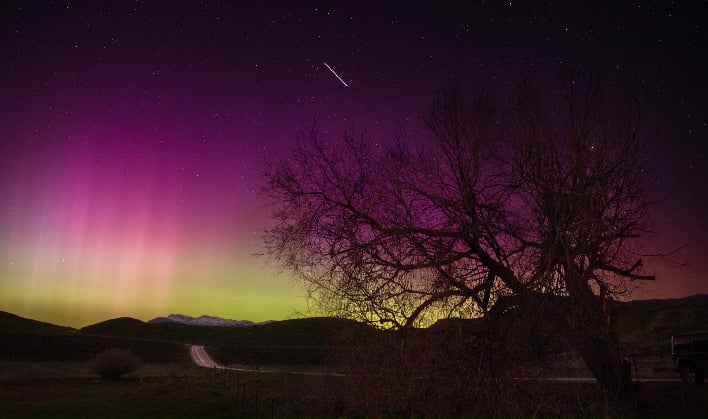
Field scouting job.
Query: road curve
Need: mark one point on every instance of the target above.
(201, 357)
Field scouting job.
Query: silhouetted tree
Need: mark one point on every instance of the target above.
(580, 177)
(537, 206)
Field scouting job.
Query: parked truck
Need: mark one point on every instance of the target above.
(689, 351)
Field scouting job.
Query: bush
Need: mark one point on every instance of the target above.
(112, 363)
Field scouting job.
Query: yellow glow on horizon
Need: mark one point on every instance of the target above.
(80, 288)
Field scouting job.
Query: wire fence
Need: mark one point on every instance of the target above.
(293, 395)
(280, 396)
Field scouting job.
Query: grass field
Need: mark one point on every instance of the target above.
(70, 389)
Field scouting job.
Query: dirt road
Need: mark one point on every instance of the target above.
(201, 357)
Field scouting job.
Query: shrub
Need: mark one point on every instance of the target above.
(112, 363)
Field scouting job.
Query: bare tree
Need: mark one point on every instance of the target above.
(581, 179)
(459, 225)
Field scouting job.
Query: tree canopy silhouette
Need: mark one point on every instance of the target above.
(542, 201)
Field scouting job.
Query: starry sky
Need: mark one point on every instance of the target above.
(135, 133)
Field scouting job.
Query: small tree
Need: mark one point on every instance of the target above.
(112, 363)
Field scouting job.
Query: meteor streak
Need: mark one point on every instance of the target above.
(336, 75)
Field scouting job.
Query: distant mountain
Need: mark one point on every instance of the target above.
(158, 320)
(201, 321)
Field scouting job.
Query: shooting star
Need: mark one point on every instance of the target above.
(336, 75)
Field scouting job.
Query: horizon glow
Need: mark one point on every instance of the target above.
(137, 220)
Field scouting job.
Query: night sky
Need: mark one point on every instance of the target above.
(134, 134)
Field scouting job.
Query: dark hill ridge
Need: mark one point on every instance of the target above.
(24, 339)
(14, 324)
(166, 331)
(122, 326)
(299, 332)
(11, 323)
(645, 327)
(644, 323)
(306, 341)
(658, 304)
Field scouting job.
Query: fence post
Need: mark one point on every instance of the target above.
(243, 398)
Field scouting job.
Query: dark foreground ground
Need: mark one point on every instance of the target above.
(70, 389)
(45, 371)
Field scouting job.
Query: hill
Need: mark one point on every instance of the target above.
(23, 339)
(122, 326)
(659, 304)
(13, 324)
(647, 325)
(311, 341)
(167, 331)
(79, 347)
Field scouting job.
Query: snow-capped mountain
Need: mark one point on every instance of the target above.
(201, 321)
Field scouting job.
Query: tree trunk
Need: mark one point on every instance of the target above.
(603, 359)
(598, 346)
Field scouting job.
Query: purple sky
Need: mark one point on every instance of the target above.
(134, 135)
